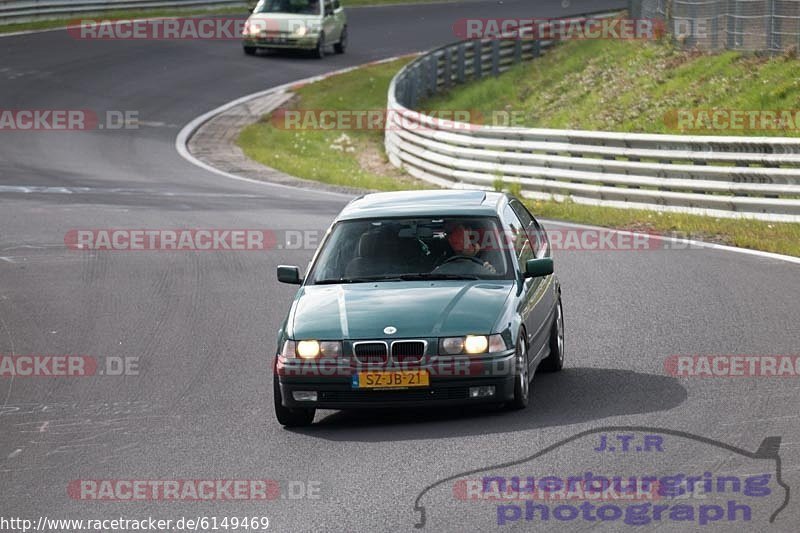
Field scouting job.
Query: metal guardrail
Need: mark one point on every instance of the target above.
(755, 177)
(13, 11)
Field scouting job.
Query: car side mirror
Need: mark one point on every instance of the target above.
(289, 274)
(539, 268)
(328, 12)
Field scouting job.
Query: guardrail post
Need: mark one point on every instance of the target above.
(495, 57)
(448, 67)
(635, 9)
(517, 50)
(738, 40)
(433, 74)
(477, 59)
(537, 48)
(715, 27)
(412, 94)
(460, 63)
(773, 28)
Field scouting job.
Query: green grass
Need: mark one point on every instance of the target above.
(781, 238)
(633, 86)
(308, 154)
(352, 158)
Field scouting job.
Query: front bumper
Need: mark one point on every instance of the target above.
(335, 390)
(307, 42)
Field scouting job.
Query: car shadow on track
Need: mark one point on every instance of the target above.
(573, 396)
(288, 53)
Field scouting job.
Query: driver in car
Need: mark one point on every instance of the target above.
(463, 240)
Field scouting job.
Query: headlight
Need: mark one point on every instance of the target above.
(254, 27)
(472, 345)
(308, 349)
(475, 344)
(300, 31)
(452, 346)
(311, 349)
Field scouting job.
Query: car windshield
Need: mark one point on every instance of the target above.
(361, 251)
(303, 7)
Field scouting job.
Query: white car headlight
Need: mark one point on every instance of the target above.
(301, 31)
(311, 349)
(472, 345)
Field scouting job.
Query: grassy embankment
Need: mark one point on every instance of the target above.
(623, 86)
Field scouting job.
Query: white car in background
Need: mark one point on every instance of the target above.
(313, 25)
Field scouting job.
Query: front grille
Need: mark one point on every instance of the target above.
(371, 353)
(409, 395)
(408, 351)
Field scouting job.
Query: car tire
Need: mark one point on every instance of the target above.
(522, 378)
(249, 50)
(341, 46)
(555, 361)
(319, 51)
(290, 418)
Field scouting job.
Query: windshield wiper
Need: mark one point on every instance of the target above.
(434, 276)
(336, 281)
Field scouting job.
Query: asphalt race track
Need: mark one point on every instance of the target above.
(203, 325)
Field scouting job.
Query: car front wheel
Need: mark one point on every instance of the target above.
(290, 417)
(319, 51)
(522, 380)
(250, 50)
(341, 46)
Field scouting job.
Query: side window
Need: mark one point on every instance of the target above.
(336, 4)
(328, 7)
(518, 236)
(532, 227)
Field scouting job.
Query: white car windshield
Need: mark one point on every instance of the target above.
(302, 7)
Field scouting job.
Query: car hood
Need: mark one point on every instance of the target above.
(285, 22)
(416, 309)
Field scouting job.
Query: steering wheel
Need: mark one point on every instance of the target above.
(461, 258)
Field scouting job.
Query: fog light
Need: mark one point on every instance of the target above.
(305, 396)
(481, 392)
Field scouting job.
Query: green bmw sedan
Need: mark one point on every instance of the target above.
(420, 299)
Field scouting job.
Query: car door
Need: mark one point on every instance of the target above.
(538, 292)
(329, 22)
(521, 248)
(341, 18)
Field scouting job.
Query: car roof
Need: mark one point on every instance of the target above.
(425, 203)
